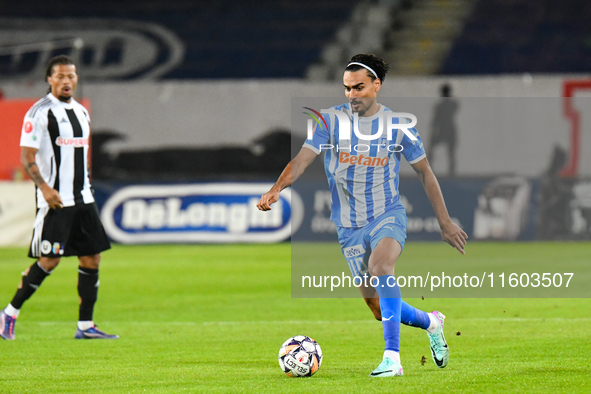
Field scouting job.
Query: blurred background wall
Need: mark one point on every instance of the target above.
(202, 93)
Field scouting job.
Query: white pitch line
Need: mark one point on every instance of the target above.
(322, 322)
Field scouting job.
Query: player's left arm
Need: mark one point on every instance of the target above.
(89, 161)
(88, 156)
(450, 232)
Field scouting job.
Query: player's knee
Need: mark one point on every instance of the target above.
(49, 263)
(380, 268)
(92, 261)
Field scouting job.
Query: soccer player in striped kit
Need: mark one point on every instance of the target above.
(54, 151)
(366, 207)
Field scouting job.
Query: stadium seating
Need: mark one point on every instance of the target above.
(537, 36)
(363, 32)
(223, 39)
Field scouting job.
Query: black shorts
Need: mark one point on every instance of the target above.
(69, 231)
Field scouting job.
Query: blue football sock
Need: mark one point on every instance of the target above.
(390, 303)
(414, 317)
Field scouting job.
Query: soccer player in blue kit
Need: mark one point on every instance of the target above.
(366, 207)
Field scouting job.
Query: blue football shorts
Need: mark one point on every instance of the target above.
(357, 243)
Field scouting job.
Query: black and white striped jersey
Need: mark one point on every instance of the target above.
(60, 131)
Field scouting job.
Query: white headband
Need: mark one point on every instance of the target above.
(367, 67)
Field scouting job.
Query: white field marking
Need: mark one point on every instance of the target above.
(262, 322)
(212, 323)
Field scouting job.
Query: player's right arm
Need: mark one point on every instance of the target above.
(290, 174)
(31, 136)
(28, 161)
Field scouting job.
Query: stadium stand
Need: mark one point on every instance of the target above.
(413, 36)
(423, 34)
(364, 32)
(535, 36)
(223, 39)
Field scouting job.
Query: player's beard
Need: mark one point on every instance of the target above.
(361, 109)
(366, 103)
(366, 106)
(64, 99)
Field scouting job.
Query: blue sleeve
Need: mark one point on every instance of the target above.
(413, 151)
(321, 135)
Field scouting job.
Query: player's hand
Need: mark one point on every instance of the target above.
(264, 204)
(52, 197)
(455, 236)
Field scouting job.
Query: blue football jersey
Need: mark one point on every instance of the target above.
(363, 174)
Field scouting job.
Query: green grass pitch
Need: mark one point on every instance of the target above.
(211, 318)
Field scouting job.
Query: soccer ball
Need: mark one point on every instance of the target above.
(300, 356)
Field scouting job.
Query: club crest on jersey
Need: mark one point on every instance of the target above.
(353, 251)
(76, 142)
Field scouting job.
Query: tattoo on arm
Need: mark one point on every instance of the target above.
(34, 173)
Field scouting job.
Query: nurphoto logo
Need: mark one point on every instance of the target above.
(391, 120)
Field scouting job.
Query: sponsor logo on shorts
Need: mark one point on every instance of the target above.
(353, 251)
(57, 248)
(390, 219)
(45, 247)
(79, 141)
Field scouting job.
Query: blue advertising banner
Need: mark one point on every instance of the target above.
(500, 208)
(194, 213)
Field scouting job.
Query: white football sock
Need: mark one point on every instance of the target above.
(393, 355)
(434, 324)
(85, 324)
(11, 311)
